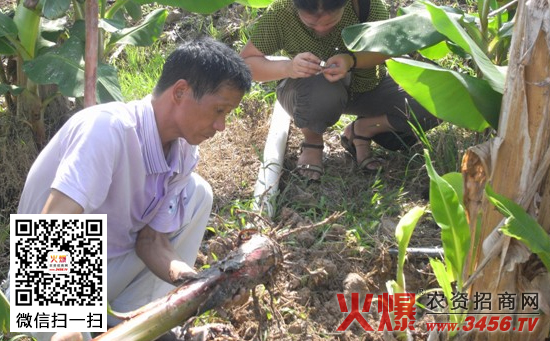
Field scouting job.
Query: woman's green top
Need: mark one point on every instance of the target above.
(280, 29)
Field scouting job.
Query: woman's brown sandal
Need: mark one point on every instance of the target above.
(349, 146)
(310, 167)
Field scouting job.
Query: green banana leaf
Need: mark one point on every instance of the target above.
(4, 314)
(64, 66)
(444, 282)
(28, 25)
(419, 7)
(403, 233)
(79, 30)
(54, 9)
(455, 180)
(6, 48)
(436, 51)
(506, 30)
(8, 35)
(520, 225)
(133, 10)
(471, 26)
(111, 25)
(448, 26)
(393, 37)
(8, 28)
(143, 34)
(450, 215)
(461, 99)
(108, 87)
(14, 89)
(206, 6)
(255, 3)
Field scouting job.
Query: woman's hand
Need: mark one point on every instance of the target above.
(304, 65)
(337, 67)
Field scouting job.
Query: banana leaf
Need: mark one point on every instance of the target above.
(393, 37)
(450, 215)
(206, 6)
(54, 9)
(466, 101)
(448, 26)
(143, 34)
(64, 66)
(521, 226)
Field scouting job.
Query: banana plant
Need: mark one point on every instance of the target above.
(4, 315)
(206, 7)
(446, 197)
(47, 47)
(470, 101)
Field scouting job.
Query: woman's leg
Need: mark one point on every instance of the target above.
(315, 104)
(358, 136)
(385, 114)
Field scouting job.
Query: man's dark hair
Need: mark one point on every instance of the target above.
(206, 65)
(316, 6)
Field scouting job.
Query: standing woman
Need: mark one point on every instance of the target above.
(323, 79)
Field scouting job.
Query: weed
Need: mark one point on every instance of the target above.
(139, 69)
(449, 143)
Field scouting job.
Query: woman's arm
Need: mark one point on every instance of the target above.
(264, 69)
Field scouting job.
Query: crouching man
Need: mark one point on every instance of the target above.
(134, 162)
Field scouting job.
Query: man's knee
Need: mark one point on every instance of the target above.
(200, 190)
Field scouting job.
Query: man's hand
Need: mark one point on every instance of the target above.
(67, 336)
(181, 273)
(158, 254)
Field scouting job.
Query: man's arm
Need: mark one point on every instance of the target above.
(59, 203)
(156, 251)
(263, 69)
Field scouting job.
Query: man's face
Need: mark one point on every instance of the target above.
(321, 23)
(199, 120)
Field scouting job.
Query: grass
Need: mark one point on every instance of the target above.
(16, 157)
(139, 69)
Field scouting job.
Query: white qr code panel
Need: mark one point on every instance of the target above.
(58, 265)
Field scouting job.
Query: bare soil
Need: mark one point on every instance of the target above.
(319, 263)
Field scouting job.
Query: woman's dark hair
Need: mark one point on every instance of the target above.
(315, 6)
(206, 64)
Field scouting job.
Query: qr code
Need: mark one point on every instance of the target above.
(57, 261)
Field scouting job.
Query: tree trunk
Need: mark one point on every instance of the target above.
(516, 164)
(90, 70)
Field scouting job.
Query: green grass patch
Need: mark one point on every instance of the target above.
(139, 68)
